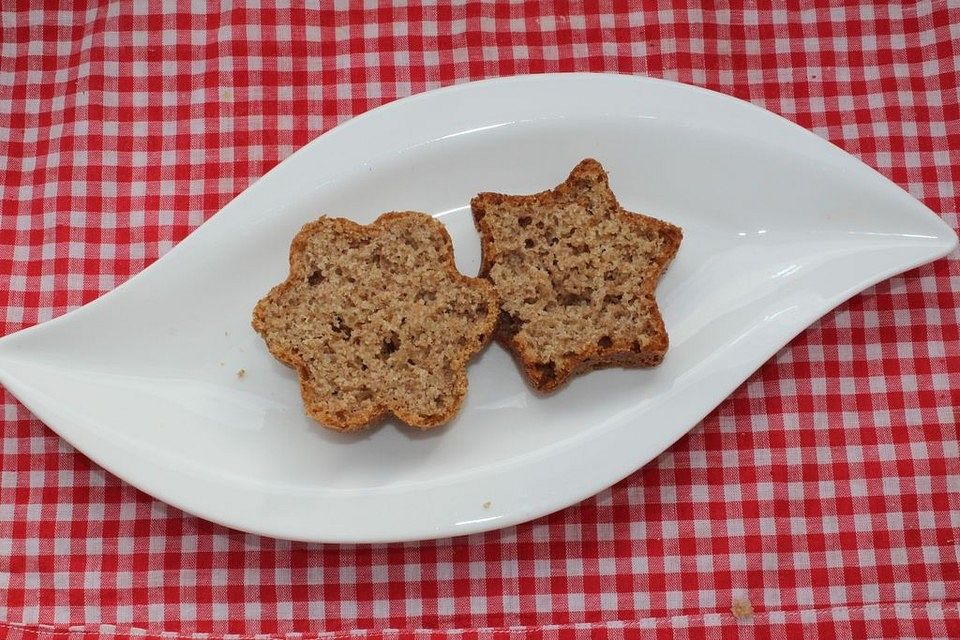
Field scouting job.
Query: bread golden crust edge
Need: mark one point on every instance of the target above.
(617, 353)
(314, 404)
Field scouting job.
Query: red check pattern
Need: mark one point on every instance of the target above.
(825, 492)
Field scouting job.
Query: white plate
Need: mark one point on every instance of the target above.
(779, 227)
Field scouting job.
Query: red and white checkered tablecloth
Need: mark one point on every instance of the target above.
(825, 492)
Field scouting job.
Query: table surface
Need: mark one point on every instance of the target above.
(824, 494)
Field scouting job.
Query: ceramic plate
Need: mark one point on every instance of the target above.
(779, 227)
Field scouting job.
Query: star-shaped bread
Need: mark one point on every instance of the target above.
(377, 320)
(576, 276)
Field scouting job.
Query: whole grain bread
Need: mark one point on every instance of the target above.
(576, 275)
(377, 320)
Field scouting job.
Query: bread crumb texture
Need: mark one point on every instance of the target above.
(377, 320)
(742, 609)
(576, 276)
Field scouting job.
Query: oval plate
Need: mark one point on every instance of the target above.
(780, 226)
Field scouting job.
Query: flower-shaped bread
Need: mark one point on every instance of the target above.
(576, 275)
(377, 320)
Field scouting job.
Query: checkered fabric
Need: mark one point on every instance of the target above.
(823, 496)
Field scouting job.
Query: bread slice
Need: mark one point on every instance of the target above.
(576, 275)
(377, 320)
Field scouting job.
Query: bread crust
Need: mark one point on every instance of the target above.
(316, 404)
(620, 351)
